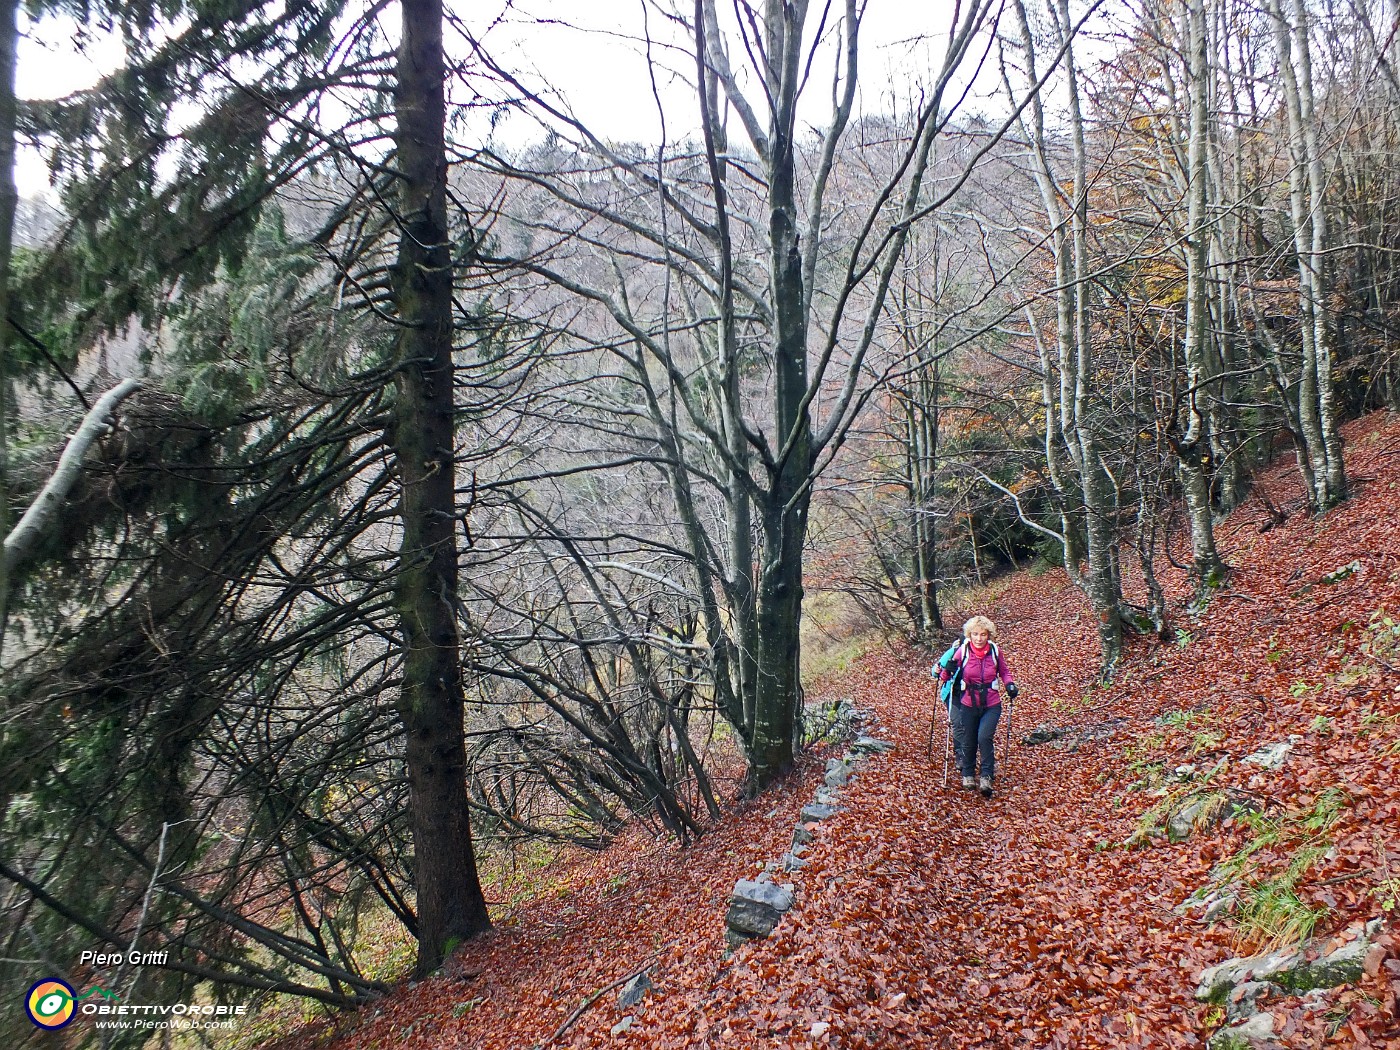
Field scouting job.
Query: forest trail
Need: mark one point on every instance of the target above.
(930, 917)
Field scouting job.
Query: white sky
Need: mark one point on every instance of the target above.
(596, 60)
(51, 65)
(597, 66)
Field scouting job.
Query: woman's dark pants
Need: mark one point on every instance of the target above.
(977, 730)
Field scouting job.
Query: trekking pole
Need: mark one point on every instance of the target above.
(1010, 708)
(947, 741)
(933, 714)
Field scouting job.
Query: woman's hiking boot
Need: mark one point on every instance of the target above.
(984, 785)
(968, 782)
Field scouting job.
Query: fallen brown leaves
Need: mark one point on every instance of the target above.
(931, 918)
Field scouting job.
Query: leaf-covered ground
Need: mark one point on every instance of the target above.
(930, 917)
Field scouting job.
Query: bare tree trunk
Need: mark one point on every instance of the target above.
(776, 703)
(35, 521)
(1316, 411)
(1062, 457)
(1147, 542)
(783, 513)
(1231, 467)
(1195, 442)
(1096, 485)
(740, 682)
(918, 398)
(976, 556)
(921, 421)
(451, 906)
(1315, 261)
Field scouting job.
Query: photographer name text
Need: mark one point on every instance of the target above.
(132, 958)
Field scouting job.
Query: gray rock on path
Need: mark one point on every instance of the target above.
(838, 772)
(635, 990)
(755, 908)
(622, 1025)
(816, 811)
(747, 920)
(871, 746)
(792, 862)
(1273, 756)
(1183, 822)
(1346, 965)
(1244, 1000)
(1211, 903)
(1045, 734)
(1219, 979)
(1072, 738)
(779, 898)
(1256, 1029)
(1340, 573)
(1220, 907)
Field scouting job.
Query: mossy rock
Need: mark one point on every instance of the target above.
(1346, 965)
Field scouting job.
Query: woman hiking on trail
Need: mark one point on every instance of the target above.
(976, 701)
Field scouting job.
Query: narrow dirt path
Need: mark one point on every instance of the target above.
(929, 917)
(932, 917)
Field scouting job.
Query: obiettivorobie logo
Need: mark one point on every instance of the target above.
(52, 1003)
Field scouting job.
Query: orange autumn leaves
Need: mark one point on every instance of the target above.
(929, 917)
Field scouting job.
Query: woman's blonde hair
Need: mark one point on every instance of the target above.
(982, 622)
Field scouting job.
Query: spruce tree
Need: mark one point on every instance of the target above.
(165, 169)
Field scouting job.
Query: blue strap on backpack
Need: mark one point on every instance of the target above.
(953, 686)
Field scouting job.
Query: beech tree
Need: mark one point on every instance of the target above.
(1192, 444)
(1074, 407)
(1323, 466)
(740, 333)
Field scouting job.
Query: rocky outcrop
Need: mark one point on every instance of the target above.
(869, 745)
(1241, 985)
(635, 990)
(1214, 903)
(1046, 734)
(838, 772)
(1203, 809)
(1256, 1029)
